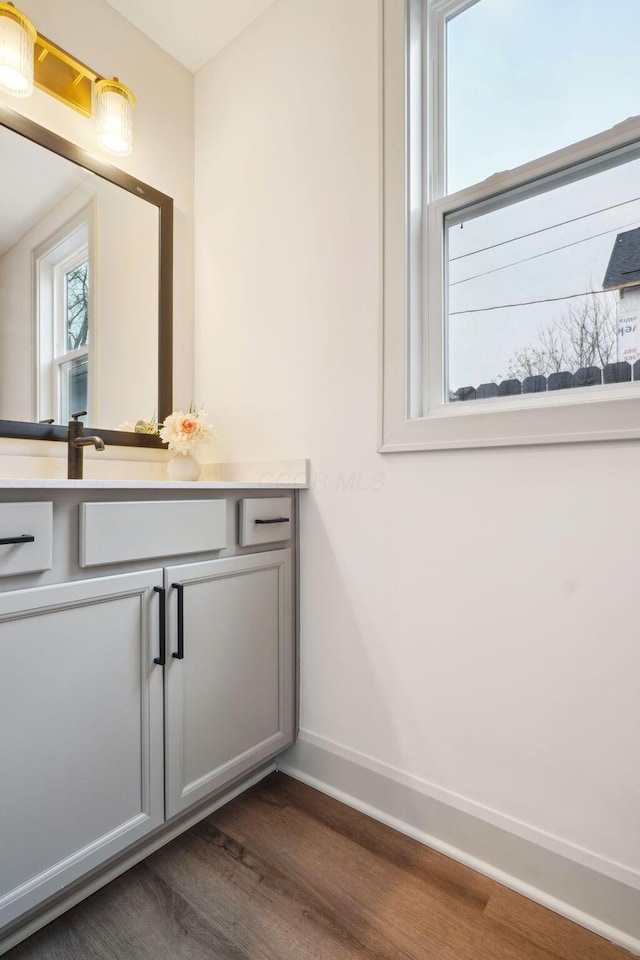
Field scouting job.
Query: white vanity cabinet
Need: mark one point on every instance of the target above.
(229, 673)
(81, 730)
(133, 693)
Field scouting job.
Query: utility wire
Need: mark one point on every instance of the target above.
(531, 303)
(552, 226)
(544, 253)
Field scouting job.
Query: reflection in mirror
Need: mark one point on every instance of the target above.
(78, 292)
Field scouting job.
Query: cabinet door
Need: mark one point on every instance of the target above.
(81, 748)
(229, 700)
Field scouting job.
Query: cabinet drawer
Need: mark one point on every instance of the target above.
(18, 520)
(265, 520)
(118, 532)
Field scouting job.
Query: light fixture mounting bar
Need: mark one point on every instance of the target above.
(63, 77)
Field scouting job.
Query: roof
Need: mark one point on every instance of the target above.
(624, 265)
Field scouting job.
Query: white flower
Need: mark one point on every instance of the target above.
(184, 431)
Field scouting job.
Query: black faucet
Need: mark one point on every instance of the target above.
(76, 444)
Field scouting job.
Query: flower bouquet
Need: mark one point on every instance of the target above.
(182, 432)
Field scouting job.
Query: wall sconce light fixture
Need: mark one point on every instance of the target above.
(114, 116)
(17, 39)
(28, 59)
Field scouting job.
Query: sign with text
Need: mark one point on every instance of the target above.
(628, 326)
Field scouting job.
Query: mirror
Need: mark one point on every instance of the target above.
(85, 291)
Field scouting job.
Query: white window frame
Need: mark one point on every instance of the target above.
(413, 415)
(70, 245)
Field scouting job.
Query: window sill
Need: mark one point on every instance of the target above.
(610, 419)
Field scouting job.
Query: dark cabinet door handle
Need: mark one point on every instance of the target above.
(179, 653)
(24, 538)
(161, 659)
(275, 520)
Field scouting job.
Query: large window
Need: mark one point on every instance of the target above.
(512, 222)
(63, 277)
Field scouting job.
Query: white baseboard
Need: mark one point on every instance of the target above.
(572, 882)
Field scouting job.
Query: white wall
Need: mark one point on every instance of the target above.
(16, 335)
(163, 150)
(126, 325)
(468, 618)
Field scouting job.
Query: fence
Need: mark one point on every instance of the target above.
(622, 372)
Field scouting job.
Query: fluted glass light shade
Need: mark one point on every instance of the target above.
(114, 116)
(17, 38)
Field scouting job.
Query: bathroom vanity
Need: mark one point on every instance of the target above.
(147, 629)
(148, 652)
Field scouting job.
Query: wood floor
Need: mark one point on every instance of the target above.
(285, 873)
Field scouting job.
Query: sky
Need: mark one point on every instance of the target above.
(526, 77)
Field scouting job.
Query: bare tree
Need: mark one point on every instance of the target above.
(78, 307)
(583, 336)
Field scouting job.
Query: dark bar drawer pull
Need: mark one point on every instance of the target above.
(179, 653)
(25, 538)
(161, 659)
(275, 520)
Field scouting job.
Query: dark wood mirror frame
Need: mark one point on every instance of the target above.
(23, 429)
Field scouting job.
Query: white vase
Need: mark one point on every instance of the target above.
(184, 467)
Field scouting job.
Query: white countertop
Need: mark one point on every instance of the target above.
(47, 473)
(27, 483)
